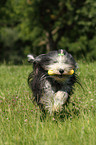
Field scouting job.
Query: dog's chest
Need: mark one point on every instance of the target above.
(50, 87)
(54, 86)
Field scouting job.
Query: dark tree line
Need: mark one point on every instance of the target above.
(38, 26)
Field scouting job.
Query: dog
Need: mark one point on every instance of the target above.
(52, 80)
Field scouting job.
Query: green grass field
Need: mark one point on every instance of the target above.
(20, 120)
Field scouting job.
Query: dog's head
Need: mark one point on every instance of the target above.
(57, 64)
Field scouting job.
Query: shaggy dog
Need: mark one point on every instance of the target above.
(52, 79)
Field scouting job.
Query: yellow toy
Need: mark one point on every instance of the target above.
(71, 72)
(51, 72)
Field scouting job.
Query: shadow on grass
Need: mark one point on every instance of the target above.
(61, 116)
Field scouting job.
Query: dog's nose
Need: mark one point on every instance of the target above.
(61, 71)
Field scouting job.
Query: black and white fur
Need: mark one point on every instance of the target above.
(52, 92)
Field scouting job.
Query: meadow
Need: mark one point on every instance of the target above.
(21, 121)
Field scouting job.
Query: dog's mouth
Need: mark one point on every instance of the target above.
(60, 78)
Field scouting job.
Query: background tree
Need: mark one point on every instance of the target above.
(38, 26)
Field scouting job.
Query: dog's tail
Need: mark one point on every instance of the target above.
(30, 58)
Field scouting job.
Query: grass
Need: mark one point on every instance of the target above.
(20, 121)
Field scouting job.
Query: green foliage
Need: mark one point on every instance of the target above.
(38, 26)
(92, 48)
(22, 123)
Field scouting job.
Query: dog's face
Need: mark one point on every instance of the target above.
(58, 64)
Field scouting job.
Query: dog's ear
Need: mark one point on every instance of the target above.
(30, 58)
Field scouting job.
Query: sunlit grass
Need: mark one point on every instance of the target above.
(21, 122)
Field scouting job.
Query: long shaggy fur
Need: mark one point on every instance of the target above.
(52, 92)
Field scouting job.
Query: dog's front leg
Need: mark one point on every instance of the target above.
(60, 98)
